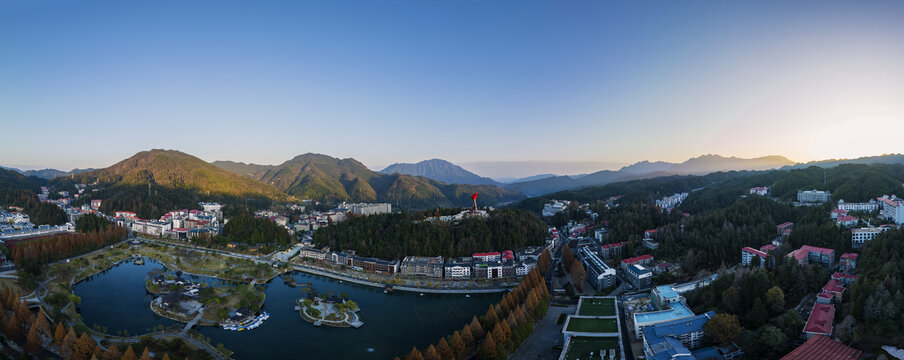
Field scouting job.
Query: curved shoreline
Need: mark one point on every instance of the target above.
(401, 288)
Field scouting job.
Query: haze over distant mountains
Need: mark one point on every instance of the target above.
(48, 173)
(321, 177)
(440, 170)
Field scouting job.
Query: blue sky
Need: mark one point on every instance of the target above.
(86, 84)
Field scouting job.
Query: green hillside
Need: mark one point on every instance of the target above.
(324, 178)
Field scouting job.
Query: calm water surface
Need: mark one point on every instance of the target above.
(393, 323)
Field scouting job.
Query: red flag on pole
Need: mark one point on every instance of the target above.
(474, 196)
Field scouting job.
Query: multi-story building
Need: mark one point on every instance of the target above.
(312, 253)
(376, 265)
(554, 207)
(846, 220)
(367, 209)
(821, 320)
(639, 276)
(862, 235)
(526, 265)
(488, 269)
(612, 251)
(95, 203)
(807, 254)
(641, 260)
(488, 256)
(748, 253)
(601, 275)
(870, 206)
(154, 228)
(422, 266)
(892, 208)
(784, 229)
(759, 190)
(675, 339)
(457, 269)
(813, 196)
(848, 262)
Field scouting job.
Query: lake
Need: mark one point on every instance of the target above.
(393, 323)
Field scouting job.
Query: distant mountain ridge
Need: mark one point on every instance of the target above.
(439, 170)
(48, 174)
(645, 169)
(321, 177)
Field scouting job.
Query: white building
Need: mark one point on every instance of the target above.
(367, 209)
(759, 190)
(457, 269)
(870, 206)
(556, 206)
(893, 208)
(862, 235)
(601, 275)
(813, 196)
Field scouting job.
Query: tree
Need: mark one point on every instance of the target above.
(14, 328)
(59, 334)
(146, 354)
(723, 328)
(775, 297)
(68, 342)
(165, 357)
(731, 299)
(578, 275)
(476, 329)
(42, 324)
(431, 353)
(129, 354)
(83, 348)
(112, 353)
(458, 344)
(488, 348)
(468, 337)
(758, 313)
(775, 340)
(414, 355)
(33, 343)
(444, 350)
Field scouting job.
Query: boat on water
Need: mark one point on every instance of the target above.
(249, 324)
(467, 295)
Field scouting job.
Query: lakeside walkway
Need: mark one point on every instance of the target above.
(329, 274)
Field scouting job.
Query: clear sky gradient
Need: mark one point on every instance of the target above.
(88, 83)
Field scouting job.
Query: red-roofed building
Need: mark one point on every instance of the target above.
(821, 320)
(848, 262)
(759, 190)
(835, 288)
(809, 253)
(785, 228)
(640, 260)
(843, 278)
(95, 203)
(612, 251)
(846, 220)
(748, 253)
(488, 256)
(508, 255)
(767, 248)
(649, 234)
(824, 298)
(822, 348)
(838, 212)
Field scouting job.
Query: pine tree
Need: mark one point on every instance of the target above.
(14, 329)
(468, 337)
(112, 353)
(83, 347)
(414, 355)
(98, 352)
(444, 350)
(41, 323)
(129, 354)
(68, 342)
(59, 334)
(476, 329)
(146, 354)
(458, 345)
(488, 348)
(33, 342)
(165, 357)
(25, 315)
(490, 318)
(431, 353)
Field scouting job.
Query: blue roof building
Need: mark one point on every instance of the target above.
(675, 339)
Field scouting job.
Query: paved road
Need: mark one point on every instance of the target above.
(546, 333)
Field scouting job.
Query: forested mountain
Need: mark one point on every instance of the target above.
(240, 168)
(19, 190)
(48, 173)
(392, 236)
(439, 170)
(324, 178)
(866, 160)
(177, 180)
(643, 170)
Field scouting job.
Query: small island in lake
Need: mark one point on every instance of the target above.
(330, 311)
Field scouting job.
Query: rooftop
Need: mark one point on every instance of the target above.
(678, 311)
(666, 291)
(821, 319)
(636, 259)
(820, 347)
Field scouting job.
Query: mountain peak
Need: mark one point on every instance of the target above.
(439, 170)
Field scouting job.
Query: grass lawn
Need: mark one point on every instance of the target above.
(581, 347)
(597, 307)
(592, 325)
